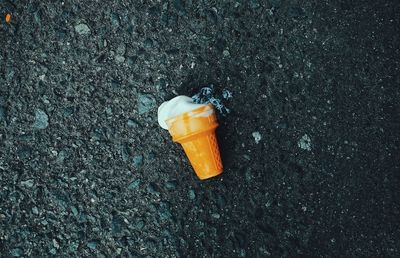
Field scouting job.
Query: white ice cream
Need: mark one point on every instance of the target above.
(175, 107)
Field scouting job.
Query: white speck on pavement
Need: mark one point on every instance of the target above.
(257, 137)
(305, 142)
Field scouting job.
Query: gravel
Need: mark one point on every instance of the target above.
(82, 29)
(80, 83)
(146, 102)
(41, 120)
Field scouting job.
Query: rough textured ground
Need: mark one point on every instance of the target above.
(86, 171)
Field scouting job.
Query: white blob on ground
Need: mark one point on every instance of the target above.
(305, 142)
(257, 137)
(175, 107)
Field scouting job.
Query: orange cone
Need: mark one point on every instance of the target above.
(195, 131)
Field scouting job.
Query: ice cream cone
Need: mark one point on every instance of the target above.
(195, 131)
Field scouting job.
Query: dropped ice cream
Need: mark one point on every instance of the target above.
(193, 126)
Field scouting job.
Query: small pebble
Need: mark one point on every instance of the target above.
(35, 210)
(305, 142)
(41, 120)
(125, 153)
(61, 156)
(82, 29)
(115, 20)
(134, 184)
(46, 100)
(139, 224)
(17, 252)
(27, 183)
(248, 175)
(192, 195)
(171, 185)
(212, 16)
(164, 211)
(148, 43)
(73, 247)
(152, 156)
(68, 111)
(121, 49)
(132, 60)
(215, 215)
(119, 59)
(109, 111)
(55, 244)
(153, 189)
(137, 161)
(2, 114)
(146, 103)
(226, 53)
(257, 136)
(74, 211)
(92, 245)
(132, 123)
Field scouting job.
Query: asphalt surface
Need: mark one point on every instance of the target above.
(310, 145)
